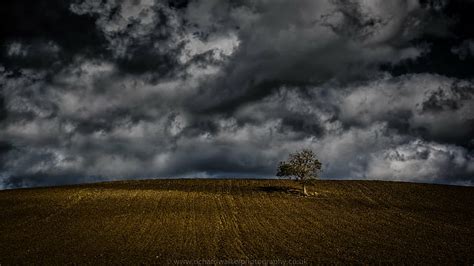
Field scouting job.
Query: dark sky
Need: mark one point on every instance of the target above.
(113, 89)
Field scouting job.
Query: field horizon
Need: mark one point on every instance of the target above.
(321, 179)
(189, 221)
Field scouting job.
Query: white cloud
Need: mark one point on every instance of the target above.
(423, 162)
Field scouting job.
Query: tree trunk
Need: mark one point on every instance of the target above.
(304, 190)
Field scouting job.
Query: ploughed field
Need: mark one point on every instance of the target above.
(227, 221)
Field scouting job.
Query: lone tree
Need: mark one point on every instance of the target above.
(302, 166)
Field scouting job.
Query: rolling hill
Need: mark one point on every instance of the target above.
(237, 221)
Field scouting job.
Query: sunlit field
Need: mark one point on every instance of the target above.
(189, 221)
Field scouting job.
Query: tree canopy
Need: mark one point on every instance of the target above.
(302, 166)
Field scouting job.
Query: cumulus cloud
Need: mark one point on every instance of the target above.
(428, 106)
(310, 43)
(424, 162)
(222, 88)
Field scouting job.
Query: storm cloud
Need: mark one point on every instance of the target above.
(122, 89)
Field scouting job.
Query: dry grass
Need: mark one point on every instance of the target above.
(159, 221)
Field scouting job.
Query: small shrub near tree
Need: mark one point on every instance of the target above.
(302, 166)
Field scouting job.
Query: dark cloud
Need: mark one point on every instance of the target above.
(311, 43)
(465, 50)
(448, 40)
(99, 90)
(425, 106)
(42, 34)
(143, 36)
(5, 148)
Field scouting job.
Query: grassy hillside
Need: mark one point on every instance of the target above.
(177, 221)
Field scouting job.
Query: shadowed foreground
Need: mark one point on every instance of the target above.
(189, 221)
